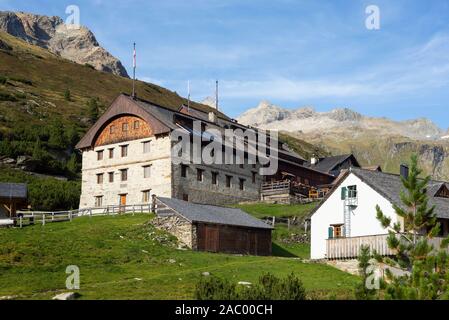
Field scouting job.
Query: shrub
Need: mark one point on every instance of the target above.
(269, 287)
(3, 80)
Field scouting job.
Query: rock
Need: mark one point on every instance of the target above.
(77, 44)
(244, 283)
(171, 260)
(21, 160)
(138, 279)
(8, 161)
(144, 251)
(65, 296)
(7, 297)
(205, 274)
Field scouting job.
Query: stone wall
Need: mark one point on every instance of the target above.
(182, 229)
(207, 193)
(159, 181)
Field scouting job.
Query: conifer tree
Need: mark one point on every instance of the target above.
(421, 271)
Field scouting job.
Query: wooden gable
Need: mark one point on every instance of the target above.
(443, 192)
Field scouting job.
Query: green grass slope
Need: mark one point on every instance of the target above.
(124, 257)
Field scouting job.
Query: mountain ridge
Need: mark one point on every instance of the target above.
(374, 141)
(307, 120)
(76, 44)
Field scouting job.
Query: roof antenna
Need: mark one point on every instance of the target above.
(216, 95)
(134, 72)
(188, 95)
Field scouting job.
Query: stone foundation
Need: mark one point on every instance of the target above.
(182, 229)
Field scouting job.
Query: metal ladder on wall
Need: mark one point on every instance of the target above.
(347, 219)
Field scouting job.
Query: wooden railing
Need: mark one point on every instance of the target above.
(42, 217)
(349, 248)
(276, 186)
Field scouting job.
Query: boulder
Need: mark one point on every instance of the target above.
(65, 296)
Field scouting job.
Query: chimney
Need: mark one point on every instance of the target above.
(212, 117)
(404, 171)
(313, 160)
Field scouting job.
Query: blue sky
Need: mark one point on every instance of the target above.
(292, 53)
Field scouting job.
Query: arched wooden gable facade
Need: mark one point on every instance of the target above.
(124, 120)
(123, 128)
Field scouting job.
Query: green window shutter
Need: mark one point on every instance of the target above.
(330, 233)
(343, 193)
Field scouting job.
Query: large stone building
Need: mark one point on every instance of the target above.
(127, 158)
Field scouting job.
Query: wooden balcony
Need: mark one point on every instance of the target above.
(349, 248)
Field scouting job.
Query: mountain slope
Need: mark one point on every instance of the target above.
(76, 44)
(374, 141)
(46, 103)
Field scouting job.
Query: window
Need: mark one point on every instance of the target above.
(111, 177)
(99, 201)
(124, 174)
(100, 155)
(146, 171)
(136, 124)
(242, 184)
(228, 181)
(125, 127)
(99, 178)
(111, 153)
(338, 231)
(124, 151)
(146, 196)
(352, 192)
(184, 170)
(112, 129)
(185, 197)
(241, 166)
(214, 178)
(146, 146)
(199, 174)
(335, 231)
(254, 176)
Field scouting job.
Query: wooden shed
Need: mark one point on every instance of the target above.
(13, 197)
(213, 228)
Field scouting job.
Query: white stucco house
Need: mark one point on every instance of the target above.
(346, 218)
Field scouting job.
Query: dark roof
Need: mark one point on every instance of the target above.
(161, 119)
(390, 187)
(13, 190)
(213, 214)
(329, 164)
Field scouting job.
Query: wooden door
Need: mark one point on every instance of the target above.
(122, 202)
(211, 238)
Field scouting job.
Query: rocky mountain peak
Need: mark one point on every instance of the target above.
(78, 45)
(345, 114)
(209, 101)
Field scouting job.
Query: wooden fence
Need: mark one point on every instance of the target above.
(43, 217)
(349, 248)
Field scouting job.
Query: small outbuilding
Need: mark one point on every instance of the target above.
(13, 197)
(213, 228)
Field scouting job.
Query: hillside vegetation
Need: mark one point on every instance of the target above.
(47, 103)
(124, 257)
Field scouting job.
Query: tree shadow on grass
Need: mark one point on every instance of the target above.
(278, 251)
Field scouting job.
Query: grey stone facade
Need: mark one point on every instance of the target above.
(182, 229)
